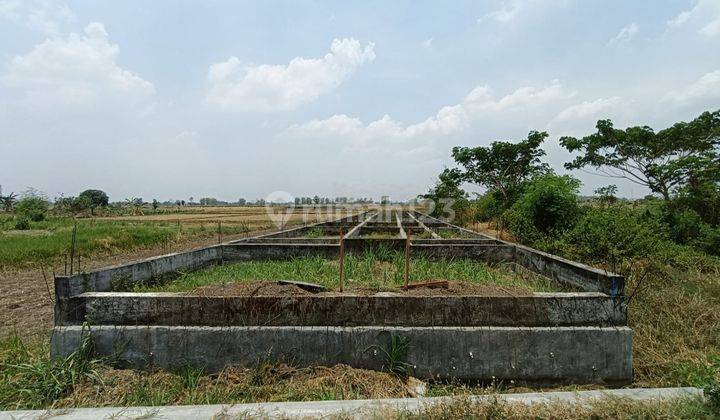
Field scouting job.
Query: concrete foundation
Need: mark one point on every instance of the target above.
(542, 355)
(579, 337)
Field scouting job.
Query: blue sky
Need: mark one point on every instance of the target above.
(172, 99)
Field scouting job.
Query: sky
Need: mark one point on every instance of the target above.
(230, 99)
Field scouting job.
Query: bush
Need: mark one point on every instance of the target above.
(22, 223)
(488, 207)
(33, 208)
(548, 207)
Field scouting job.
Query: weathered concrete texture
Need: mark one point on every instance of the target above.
(265, 252)
(542, 355)
(569, 272)
(541, 309)
(101, 280)
(491, 253)
(356, 409)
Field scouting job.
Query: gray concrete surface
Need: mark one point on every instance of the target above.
(358, 409)
(536, 310)
(540, 354)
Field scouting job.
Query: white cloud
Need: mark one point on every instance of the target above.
(284, 87)
(704, 91)
(478, 104)
(626, 34)
(587, 109)
(705, 15)
(79, 70)
(43, 16)
(427, 43)
(505, 14)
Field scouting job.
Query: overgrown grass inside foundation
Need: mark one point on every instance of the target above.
(373, 269)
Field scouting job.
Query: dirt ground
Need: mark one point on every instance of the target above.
(26, 295)
(272, 288)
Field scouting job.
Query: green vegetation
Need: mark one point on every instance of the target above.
(370, 270)
(50, 239)
(314, 233)
(668, 247)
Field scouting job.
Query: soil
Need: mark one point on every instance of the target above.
(272, 288)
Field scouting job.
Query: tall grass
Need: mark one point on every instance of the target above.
(374, 268)
(29, 379)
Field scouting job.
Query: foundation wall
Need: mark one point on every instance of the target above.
(543, 355)
(536, 310)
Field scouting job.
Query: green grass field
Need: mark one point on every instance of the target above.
(50, 240)
(367, 270)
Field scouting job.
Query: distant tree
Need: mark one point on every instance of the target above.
(242, 201)
(446, 191)
(7, 201)
(663, 161)
(94, 199)
(33, 205)
(155, 204)
(503, 167)
(316, 200)
(607, 194)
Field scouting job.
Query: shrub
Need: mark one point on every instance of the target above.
(609, 234)
(22, 223)
(548, 206)
(488, 207)
(33, 208)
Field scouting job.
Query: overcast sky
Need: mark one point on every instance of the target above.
(172, 99)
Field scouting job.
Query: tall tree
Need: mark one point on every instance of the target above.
(662, 161)
(503, 167)
(94, 199)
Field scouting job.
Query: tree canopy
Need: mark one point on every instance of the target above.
(662, 161)
(503, 167)
(93, 199)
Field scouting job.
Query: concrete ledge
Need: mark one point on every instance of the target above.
(491, 253)
(359, 409)
(569, 272)
(274, 251)
(541, 355)
(101, 280)
(539, 309)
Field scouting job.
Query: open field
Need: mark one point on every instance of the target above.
(676, 323)
(49, 241)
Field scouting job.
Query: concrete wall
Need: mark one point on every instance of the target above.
(101, 280)
(539, 309)
(545, 355)
(570, 272)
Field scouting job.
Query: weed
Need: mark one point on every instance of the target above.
(395, 356)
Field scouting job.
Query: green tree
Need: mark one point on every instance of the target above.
(447, 192)
(32, 207)
(662, 161)
(607, 194)
(548, 206)
(503, 167)
(93, 199)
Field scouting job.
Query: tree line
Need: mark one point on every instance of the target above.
(679, 165)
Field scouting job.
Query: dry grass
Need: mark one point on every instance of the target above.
(264, 383)
(606, 408)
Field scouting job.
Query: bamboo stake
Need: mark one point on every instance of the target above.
(342, 260)
(407, 258)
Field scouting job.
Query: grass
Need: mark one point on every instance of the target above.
(604, 408)
(368, 269)
(50, 240)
